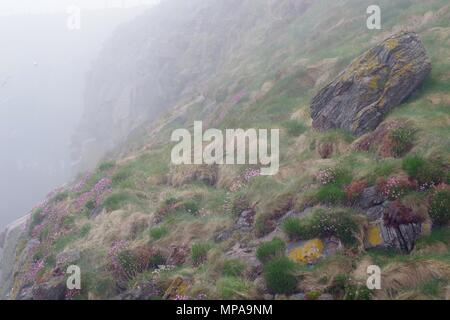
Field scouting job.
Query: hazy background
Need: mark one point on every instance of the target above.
(43, 67)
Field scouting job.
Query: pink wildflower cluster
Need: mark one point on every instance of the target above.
(71, 294)
(239, 96)
(79, 186)
(394, 187)
(251, 173)
(37, 266)
(97, 193)
(113, 253)
(246, 177)
(182, 297)
(326, 176)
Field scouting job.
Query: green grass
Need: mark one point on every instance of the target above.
(270, 250)
(118, 200)
(233, 268)
(232, 288)
(331, 194)
(341, 223)
(199, 252)
(294, 128)
(158, 232)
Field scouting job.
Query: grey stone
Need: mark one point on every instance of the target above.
(369, 198)
(373, 84)
(54, 289)
(375, 213)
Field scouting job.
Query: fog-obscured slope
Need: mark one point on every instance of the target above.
(42, 74)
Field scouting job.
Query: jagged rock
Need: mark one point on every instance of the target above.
(54, 289)
(376, 212)
(245, 220)
(393, 225)
(402, 237)
(369, 198)
(382, 78)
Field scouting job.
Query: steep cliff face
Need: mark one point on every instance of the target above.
(174, 52)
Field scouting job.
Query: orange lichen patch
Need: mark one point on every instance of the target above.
(308, 252)
(374, 237)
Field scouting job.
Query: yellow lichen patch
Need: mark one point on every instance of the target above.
(391, 44)
(178, 287)
(426, 228)
(309, 252)
(373, 82)
(374, 237)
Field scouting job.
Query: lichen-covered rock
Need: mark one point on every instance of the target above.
(382, 78)
(397, 227)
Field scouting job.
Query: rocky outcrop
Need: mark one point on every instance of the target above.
(393, 225)
(379, 80)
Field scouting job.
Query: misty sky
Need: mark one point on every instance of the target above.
(43, 68)
(46, 6)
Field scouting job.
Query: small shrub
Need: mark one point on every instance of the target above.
(299, 229)
(322, 223)
(199, 252)
(280, 276)
(233, 268)
(270, 250)
(403, 140)
(158, 232)
(413, 165)
(331, 194)
(440, 207)
(294, 128)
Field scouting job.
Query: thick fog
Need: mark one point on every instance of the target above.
(43, 66)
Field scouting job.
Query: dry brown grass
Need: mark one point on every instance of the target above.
(400, 277)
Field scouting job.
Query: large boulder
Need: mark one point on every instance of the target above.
(380, 79)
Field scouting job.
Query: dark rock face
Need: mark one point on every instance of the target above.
(54, 289)
(379, 80)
